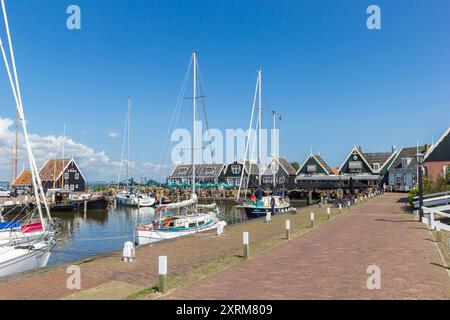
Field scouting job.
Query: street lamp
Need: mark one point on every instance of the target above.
(420, 157)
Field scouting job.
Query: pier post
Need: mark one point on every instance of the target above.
(162, 268)
(245, 240)
(328, 213)
(349, 204)
(85, 206)
(438, 233)
(311, 217)
(340, 208)
(288, 229)
(268, 217)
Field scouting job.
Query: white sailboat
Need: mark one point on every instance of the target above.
(266, 204)
(195, 218)
(27, 244)
(129, 197)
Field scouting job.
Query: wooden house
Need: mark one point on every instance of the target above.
(367, 168)
(402, 172)
(62, 174)
(23, 183)
(204, 173)
(313, 172)
(284, 174)
(437, 159)
(233, 174)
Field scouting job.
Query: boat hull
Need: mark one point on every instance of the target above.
(144, 237)
(21, 260)
(99, 203)
(135, 202)
(254, 212)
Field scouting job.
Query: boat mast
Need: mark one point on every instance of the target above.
(36, 181)
(194, 127)
(273, 150)
(16, 156)
(259, 123)
(63, 184)
(128, 141)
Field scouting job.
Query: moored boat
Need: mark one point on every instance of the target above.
(258, 209)
(92, 202)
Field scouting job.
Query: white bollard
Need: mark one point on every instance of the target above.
(128, 252)
(288, 229)
(221, 228)
(162, 270)
(328, 213)
(85, 206)
(311, 217)
(246, 243)
(268, 217)
(340, 208)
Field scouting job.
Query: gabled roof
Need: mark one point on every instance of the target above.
(440, 151)
(248, 166)
(201, 170)
(283, 164)
(23, 179)
(382, 158)
(361, 154)
(53, 168)
(409, 152)
(318, 158)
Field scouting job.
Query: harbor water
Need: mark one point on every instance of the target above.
(84, 235)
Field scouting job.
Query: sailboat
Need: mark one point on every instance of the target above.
(196, 218)
(260, 207)
(25, 244)
(130, 197)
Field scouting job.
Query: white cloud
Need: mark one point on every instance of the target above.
(111, 133)
(96, 165)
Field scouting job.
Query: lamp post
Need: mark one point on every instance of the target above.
(420, 158)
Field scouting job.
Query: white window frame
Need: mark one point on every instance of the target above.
(235, 169)
(77, 176)
(376, 166)
(66, 175)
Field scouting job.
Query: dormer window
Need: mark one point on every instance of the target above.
(355, 166)
(311, 168)
(235, 169)
(376, 167)
(406, 162)
(209, 171)
(182, 170)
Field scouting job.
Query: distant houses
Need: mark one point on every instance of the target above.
(54, 174)
(205, 173)
(284, 174)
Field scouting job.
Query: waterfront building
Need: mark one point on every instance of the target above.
(314, 171)
(284, 174)
(62, 174)
(204, 173)
(437, 159)
(23, 184)
(236, 170)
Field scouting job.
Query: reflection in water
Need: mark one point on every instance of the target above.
(105, 231)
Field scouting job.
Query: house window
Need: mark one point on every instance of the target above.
(66, 175)
(182, 170)
(235, 169)
(376, 166)
(209, 171)
(267, 180)
(230, 181)
(355, 166)
(311, 168)
(237, 182)
(72, 187)
(281, 180)
(77, 176)
(76, 186)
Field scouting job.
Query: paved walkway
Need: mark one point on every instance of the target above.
(331, 262)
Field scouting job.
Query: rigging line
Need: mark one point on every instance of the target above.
(122, 153)
(204, 111)
(249, 132)
(37, 183)
(176, 114)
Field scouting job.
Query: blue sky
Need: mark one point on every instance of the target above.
(336, 83)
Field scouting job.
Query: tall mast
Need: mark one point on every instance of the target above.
(16, 156)
(259, 122)
(128, 140)
(63, 157)
(273, 150)
(194, 127)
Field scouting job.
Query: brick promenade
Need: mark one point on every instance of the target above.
(331, 261)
